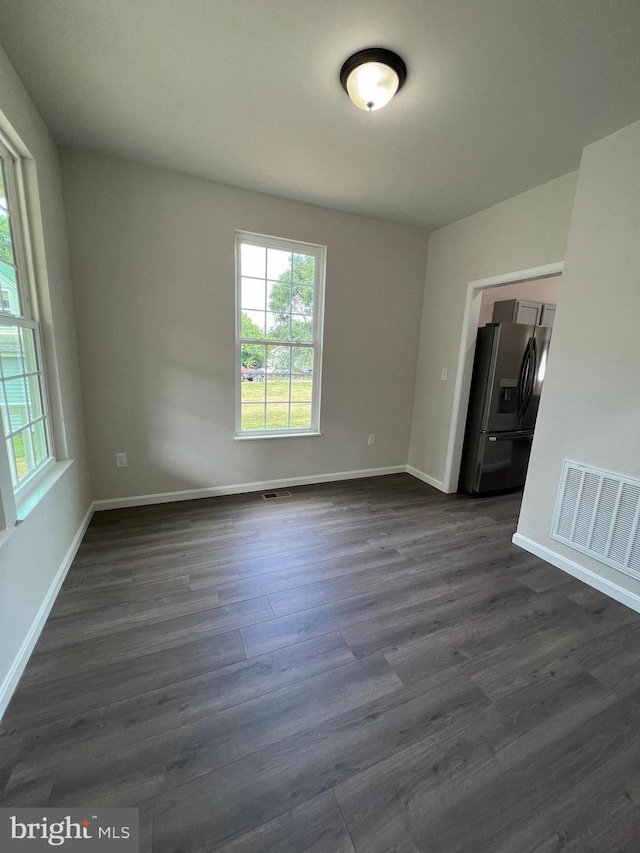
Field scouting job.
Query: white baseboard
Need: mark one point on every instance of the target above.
(241, 488)
(21, 660)
(613, 590)
(426, 478)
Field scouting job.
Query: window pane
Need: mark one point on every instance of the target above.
(28, 337)
(301, 328)
(253, 324)
(277, 415)
(253, 359)
(302, 361)
(16, 392)
(302, 299)
(253, 260)
(12, 463)
(300, 415)
(3, 192)
(304, 268)
(278, 359)
(279, 297)
(253, 388)
(23, 454)
(6, 243)
(301, 388)
(253, 294)
(5, 412)
(278, 387)
(9, 298)
(34, 397)
(252, 416)
(278, 265)
(39, 441)
(278, 326)
(10, 354)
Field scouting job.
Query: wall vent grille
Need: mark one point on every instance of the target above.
(597, 512)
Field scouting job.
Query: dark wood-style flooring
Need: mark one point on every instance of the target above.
(363, 666)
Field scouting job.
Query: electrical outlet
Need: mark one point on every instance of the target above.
(372, 439)
(443, 374)
(121, 460)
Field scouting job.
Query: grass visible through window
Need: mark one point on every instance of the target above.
(276, 392)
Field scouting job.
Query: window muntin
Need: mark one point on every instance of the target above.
(23, 400)
(280, 288)
(10, 248)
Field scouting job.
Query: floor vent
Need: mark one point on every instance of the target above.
(598, 513)
(272, 496)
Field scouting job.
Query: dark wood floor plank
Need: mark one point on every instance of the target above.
(476, 639)
(543, 578)
(221, 570)
(336, 615)
(130, 721)
(401, 797)
(154, 563)
(361, 520)
(316, 826)
(125, 616)
(146, 639)
(145, 822)
(167, 551)
(479, 540)
(519, 807)
(415, 622)
(10, 751)
(48, 693)
(423, 685)
(280, 579)
(82, 600)
(265, 784)
(383, 805)
(545, 712)
(392, 578)
(177, 756)
(26, 792)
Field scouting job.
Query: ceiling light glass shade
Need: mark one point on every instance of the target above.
(371, 77)
(372, 85)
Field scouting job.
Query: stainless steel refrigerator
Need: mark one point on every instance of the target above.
(508, 373)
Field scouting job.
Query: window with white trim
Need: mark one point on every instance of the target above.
(280, 299)
(23, 398)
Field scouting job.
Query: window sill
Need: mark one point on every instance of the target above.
(25, 505)
(278, 435)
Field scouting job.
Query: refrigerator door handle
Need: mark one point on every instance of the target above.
(512, 436)
(521, 376)
(524, 379)
(533, 361)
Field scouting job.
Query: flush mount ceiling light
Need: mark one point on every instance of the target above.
(371, 77)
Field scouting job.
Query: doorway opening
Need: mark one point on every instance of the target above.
(481, 296)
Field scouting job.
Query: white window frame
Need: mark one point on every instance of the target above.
(13, 498)
(320, 254)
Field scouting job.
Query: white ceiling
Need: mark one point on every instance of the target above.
(501, 95)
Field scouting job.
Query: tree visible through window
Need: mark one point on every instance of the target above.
(280, 293)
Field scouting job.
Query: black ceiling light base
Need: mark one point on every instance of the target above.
(374, 54)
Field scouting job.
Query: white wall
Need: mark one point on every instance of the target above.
(526, 231)
(35, 550)
(153, 267)
(590, 408)
(545, 290)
